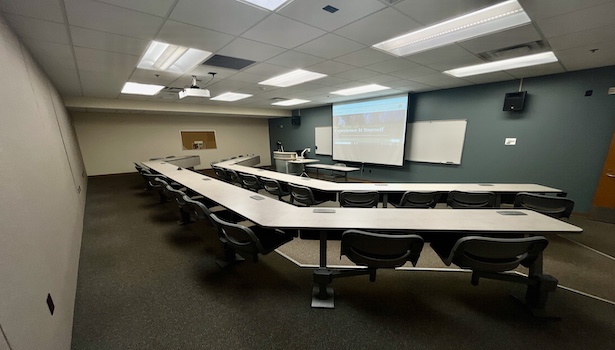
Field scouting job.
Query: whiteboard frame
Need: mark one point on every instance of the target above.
(436, 141)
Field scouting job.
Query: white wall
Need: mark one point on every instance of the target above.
(42, 201)
(112, 142)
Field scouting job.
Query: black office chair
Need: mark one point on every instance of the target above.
(557, 207)
(221, 174)
(233, 176)
(250, 182)
(253, 240)
(184, 208)
(275, 187)
(359, 199)
(414, 199)
(202, 212)
(490, 257)
(470, 200)
(304, 196)
(373, 250)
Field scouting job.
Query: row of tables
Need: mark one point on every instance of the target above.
(268, 212)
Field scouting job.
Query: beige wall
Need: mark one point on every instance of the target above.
(112, 142)
(42, 201)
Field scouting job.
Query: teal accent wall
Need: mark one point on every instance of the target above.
(562, 135)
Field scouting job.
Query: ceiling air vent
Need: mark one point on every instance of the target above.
(515, 51)
(228, 62)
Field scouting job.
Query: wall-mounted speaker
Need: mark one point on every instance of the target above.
(514, 101)
(295, 120)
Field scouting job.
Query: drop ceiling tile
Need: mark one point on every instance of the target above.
(364, 57)
(508, 38)
(545, 69)
(455, 63)
(582, 58)
(356, 74)
(281, 31)
(203, 71)
(429, 12)
(112, 19)
(311, 12)
(145, 76)
(585, 19)
(40, 9)
(330, 67)
(294, 59)
(392, 65)
(330, 46)
(31, 28)
(250, 50)
(441, 80)
(100, 84)
(408, 85)
(228, 85)
(159, 8)
(549, 8)
(66, 81)
(489, 77)
(57, 55)
(441, 54)
(413, 73)
(101, 61)
(370, 30)
(330, 81)
(582, 38)
(95, 39)
(191, 36)
(381, 79)
(267, 70)
(229, 16)
(248, 77)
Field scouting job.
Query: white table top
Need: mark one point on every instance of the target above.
(387, 187)
(270, 212)
(303, 161)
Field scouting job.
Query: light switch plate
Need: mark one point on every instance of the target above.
(510, 141)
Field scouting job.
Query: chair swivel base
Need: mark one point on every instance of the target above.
(230, 258)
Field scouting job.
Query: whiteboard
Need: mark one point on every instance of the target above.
(435, 141)
(323, 140)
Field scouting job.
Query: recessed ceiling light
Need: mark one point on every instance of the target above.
(230, 96)
(173, 58)
(141, 89)
(360, 90)
(517, 62)
(292, 102)
(293, 78)
(270, 5)
(502, 16)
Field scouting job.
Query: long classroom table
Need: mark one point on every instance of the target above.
(245, 165)
(272, 213)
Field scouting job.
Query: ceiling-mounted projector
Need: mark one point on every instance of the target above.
(194, 90)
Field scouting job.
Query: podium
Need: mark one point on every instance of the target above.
(290, 163)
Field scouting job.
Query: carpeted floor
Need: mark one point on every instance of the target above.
(147, 283)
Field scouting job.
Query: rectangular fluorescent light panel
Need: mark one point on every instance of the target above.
(270, 5)
(293, 78)
(292, 102)
(230, 96)
(172, 58)
(512, 63)
(505, 15)
(360, 90)
(141, 89)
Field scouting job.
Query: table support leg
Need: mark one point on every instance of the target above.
(322, 293)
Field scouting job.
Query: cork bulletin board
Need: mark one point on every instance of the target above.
(198, 140)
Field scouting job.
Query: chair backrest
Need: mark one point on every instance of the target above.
(460, 199)
(488, 254)
(156, 181)
(380, 250)
(274, 187)
(557, 207)
(302, 195)
(360, 199)
(200, 210)
(233, 176)
(237, 236)
(414, 199)
(250, 182)
(339, 164)
(177, 194)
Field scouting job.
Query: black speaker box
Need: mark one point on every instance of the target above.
(514, 101)
(295, 120)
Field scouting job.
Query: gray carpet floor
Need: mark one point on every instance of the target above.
(147, 283)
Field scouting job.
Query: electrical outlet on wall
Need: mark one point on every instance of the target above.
(510, 141)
